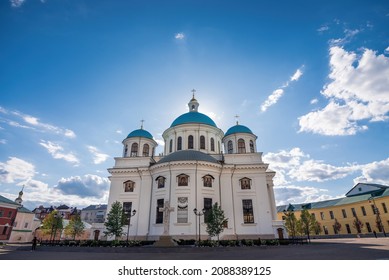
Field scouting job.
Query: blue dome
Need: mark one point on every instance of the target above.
(193, 117)
(140, 133)
(238, 129)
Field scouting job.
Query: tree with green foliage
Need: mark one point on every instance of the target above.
(216, 221)
(308, 222)
(75, 227)
(291, 223)
(115, 221)
(52, 223)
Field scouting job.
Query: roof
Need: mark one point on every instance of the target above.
(384, 191)
(140, 133)
(193, 117)
(24, 210)
(8, 201)
(188, 155)
(238, 129)
(96, 207)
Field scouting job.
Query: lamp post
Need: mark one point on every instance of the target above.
(199, 214)
(129, 215)
(377, 212)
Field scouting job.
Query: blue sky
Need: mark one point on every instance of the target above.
(310, 79)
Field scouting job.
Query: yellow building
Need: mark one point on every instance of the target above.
(366, 203)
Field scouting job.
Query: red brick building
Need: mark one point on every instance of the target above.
(8, 211)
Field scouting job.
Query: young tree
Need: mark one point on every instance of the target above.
(216, 221)
(307, 222)
(357, 224)
(291, 223)
(52, 223)
(115, 221)
(337, 226)
(75, 227)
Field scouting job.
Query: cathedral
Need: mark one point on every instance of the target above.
(173, 193)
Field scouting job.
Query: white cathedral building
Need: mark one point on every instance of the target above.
(201, 165)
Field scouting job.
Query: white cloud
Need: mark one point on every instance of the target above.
(57, 152)
(314, 101)
(299, 194)
(179, 36)
(387, 50)
(160, 142)
(272, 99)
(17, 3)
(278, 93)
(97, 156)
(16, 169)
(348, 35)
(3, 141)
(86, 186)
(358, 91)
(377, 172)
(323, 28)
(296, 166)
(296, 76)
(34, 123)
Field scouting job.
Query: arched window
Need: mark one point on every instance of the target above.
(171, 145)
(190, 142)
(134, 149)
(146, 149)
(179, 143)
(229, 147)
(125, 151)
(202, 142)
(129, 186)
(251, 146)
(212, 144)
(241, 146)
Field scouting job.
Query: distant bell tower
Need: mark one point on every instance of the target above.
(19, 200)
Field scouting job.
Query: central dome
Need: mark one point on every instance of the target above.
(193, 117)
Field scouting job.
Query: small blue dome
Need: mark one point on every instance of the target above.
(238, 129)
(140, 133)
(193, 117)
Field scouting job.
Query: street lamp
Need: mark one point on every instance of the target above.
(199, 214)
(377, 212)
(129, 215)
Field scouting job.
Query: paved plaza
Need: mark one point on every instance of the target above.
(323, 249)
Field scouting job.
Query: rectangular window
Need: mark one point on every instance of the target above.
(182, 210)
(348, 228)
(9, 214)
(322, 215)
(373, 209)
(353, 211)
(332, 215)
(248, 212)
(207, 208)
(368, 227)
(384, 207)
(313, 216)
(159, 212)
(363, 210)
(325, 230)
(25, 225)
(344, 213)
(1, 213)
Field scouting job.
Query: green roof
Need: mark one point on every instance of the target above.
(8, 201)
(193, 117)
(383, 192)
